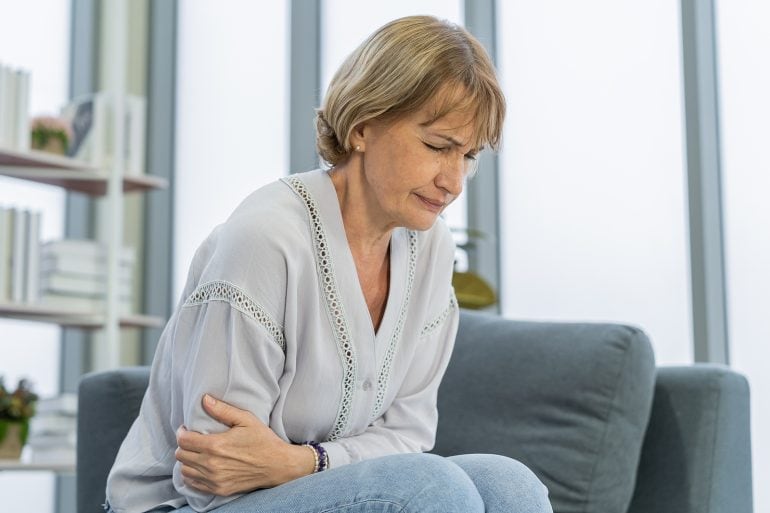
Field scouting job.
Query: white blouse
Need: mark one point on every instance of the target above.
(273, 320)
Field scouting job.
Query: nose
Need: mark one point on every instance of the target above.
(452, 175)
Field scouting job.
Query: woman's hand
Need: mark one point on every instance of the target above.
(244, 458)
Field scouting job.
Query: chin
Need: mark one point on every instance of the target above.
(421, 223)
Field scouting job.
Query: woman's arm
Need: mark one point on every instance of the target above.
(248, 456)
(220, 348)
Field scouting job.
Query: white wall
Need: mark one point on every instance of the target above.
(592, 172)
(232, 113)
(39, 44)
(744, 53)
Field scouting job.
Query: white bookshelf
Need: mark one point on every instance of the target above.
(67, 173)
(22, 466)
(73, 175)
(109, 181)
(74, 318)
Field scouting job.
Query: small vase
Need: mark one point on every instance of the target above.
(12, 438)
(51, 145)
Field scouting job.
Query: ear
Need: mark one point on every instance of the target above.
(359, 135)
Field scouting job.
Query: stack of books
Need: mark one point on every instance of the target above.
(74, 276)
(19, 255)
(53, 431)
(14, 108)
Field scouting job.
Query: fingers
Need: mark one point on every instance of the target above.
(196, 473)
(210, 488)
(193, 478)
(191, 459)
(199, 480)
(192, 441)
(225, 413)
(198, 485)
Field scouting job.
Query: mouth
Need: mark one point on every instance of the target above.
(434, 206)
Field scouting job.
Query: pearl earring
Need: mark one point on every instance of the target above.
(358, 148)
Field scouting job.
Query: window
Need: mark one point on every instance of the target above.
(743, 44)
(29, 349)
(232, 113)
(593, 197)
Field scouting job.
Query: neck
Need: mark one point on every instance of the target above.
(365, 230)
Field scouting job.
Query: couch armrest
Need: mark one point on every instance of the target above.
(696, 456)
(108, 403)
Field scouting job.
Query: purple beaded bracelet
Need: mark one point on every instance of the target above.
(323, 457)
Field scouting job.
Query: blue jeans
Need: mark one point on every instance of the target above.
(405, 483)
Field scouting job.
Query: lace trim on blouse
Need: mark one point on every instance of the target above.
(442, 317)
(241, 301)
(383, 378)
(334, 307)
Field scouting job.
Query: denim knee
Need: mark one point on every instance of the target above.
(430, 483)
(505, 484)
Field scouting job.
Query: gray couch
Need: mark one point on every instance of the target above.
(582, 404)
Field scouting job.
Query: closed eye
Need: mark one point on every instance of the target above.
(437, 149)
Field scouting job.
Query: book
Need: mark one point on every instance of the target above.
(84, 249)
(52, 455)
(72, 266)
(80, 285)
(81, 118)
(21, 118)
(63, 404)
(6, 234)
(7, 107)
(52, 424)
(3, 106)
(18, 258)
(86, 305)
(32, 271)
(87, 115)
(136, 123)
(52, 440)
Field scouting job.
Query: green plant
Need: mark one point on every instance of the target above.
(16, 408)
(18, 405)
(471, 290)
(51, 134)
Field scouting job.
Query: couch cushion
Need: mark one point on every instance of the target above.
(571, 401)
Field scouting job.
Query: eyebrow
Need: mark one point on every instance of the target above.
(457, 143)
(449, 138)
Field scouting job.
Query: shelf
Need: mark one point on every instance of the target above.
(71, 174)
(70, 318)
(20, 466)
(41, 159)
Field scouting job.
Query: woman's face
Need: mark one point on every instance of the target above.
(415, 167)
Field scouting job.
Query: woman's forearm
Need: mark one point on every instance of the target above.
(299, 462)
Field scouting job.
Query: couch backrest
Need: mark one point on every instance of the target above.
(571, 401)
(108, 403)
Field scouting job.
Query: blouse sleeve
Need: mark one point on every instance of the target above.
(225, 345)
(409, 424)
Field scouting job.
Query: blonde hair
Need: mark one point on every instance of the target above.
(397, 70)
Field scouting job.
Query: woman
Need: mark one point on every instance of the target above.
(300, 371)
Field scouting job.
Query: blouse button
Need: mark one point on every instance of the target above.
(367, 385)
